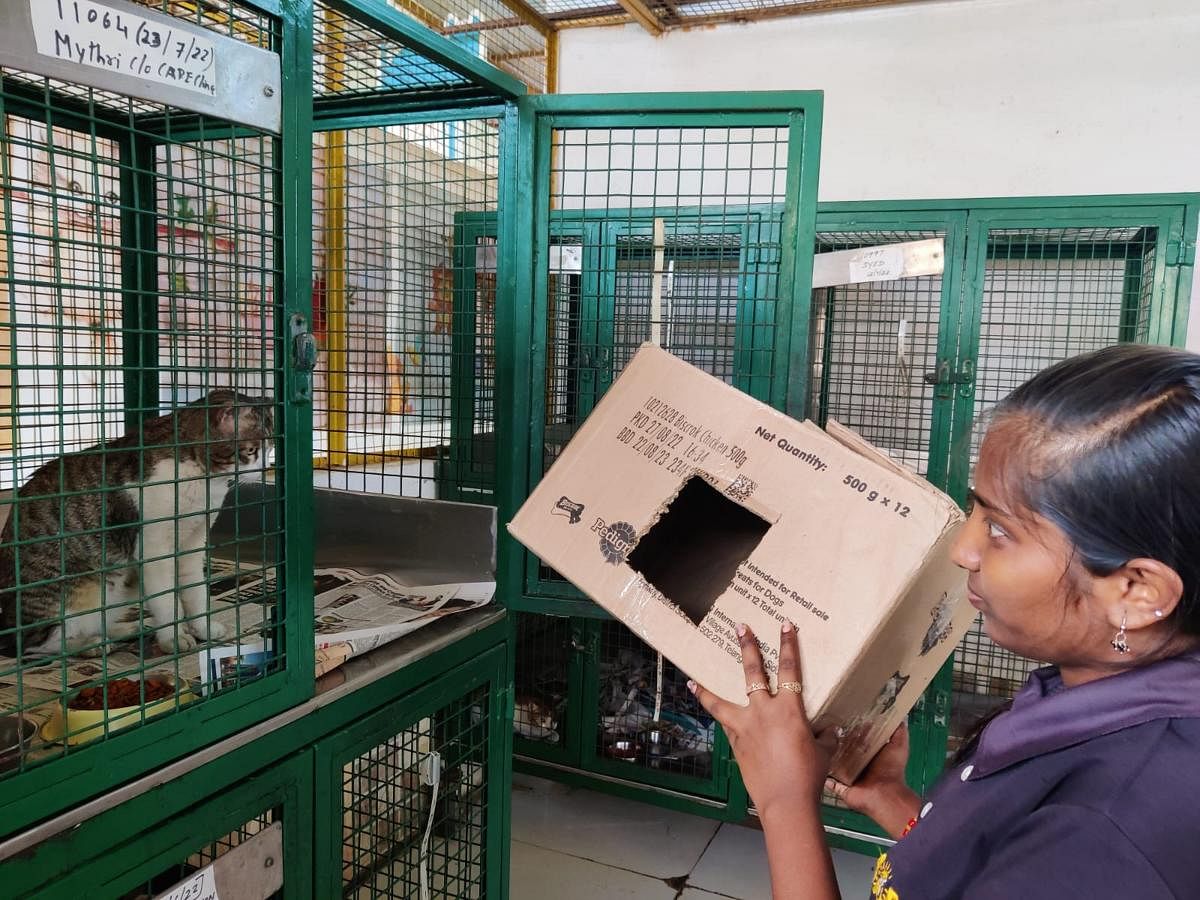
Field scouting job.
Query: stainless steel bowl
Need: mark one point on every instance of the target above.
(659, 739)
(15, 735)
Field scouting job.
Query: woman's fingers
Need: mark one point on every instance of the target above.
(836, 788)
(829, 739)
(752, 663)
(717, 708)
(789, 653)
(790, 678)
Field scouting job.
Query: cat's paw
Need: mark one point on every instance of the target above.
(213, 632)
(169, 644)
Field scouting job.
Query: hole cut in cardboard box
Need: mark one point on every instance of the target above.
(692, 553)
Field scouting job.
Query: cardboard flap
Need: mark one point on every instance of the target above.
(848, 437)
(900, 659)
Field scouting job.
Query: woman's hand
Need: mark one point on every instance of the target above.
(783, 766)
(881, 791)
(781, 761)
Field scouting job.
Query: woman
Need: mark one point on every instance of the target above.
(1082, 548)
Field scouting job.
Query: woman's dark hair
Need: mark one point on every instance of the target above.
(1106, 446)
(1108, 449)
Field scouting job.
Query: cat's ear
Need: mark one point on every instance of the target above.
(223, 421)
(244, 421)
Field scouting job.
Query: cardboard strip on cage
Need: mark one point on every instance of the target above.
(883, 262)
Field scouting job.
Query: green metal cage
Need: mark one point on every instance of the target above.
(403, 147)
(192, 868)
(146, 254)
(152, 255)
(913, 364)
(154, 844)
(411, 808)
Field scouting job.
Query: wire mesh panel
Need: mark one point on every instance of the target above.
(541, 713)
(353, 59)
(414, 808)
(874, 347)
(684, 255)
(699, 314)
(398, 344)
(1048, 294)
(141, 367)
(493, 31)
(671, 235)
(647, 716)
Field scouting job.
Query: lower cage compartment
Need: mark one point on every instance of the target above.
(394, 786)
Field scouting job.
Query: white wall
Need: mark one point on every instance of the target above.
(952, 98)
(963, 98)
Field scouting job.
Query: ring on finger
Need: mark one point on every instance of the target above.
(756, 686)
(794, 686)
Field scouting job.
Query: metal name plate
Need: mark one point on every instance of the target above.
(126, 49)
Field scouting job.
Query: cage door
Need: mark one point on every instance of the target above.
(696, 218)
(1046, 287)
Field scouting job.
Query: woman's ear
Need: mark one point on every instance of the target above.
(1139, 594)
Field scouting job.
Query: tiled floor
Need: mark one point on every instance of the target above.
(587, 846)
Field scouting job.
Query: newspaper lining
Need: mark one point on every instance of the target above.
(355, 613)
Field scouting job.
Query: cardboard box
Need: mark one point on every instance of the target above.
(683, 506)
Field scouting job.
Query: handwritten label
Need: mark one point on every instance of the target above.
(91, 34)
(200, 886)
(877, 263)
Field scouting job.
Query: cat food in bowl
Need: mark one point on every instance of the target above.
(624, 749)
(15, 734)
(129, 701)
(122, 693)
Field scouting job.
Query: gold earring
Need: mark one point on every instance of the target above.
(1119, 643)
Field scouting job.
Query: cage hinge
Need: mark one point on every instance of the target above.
(304, 359)
(1181, 253)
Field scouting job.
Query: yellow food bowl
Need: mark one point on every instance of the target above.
(82, 725)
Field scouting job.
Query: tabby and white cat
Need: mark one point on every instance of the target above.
(106, 530)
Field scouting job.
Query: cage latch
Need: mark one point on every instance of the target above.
(946, 377)
(596, 358)
(304, 359)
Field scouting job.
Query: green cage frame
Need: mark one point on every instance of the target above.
(476, 89)
(768, 376)
(129, 853)
(488, 671)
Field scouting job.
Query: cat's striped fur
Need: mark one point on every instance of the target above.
(93, 536)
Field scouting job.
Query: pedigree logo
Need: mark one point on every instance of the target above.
(616, 540)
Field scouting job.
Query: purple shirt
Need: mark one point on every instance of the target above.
(1091, 791)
